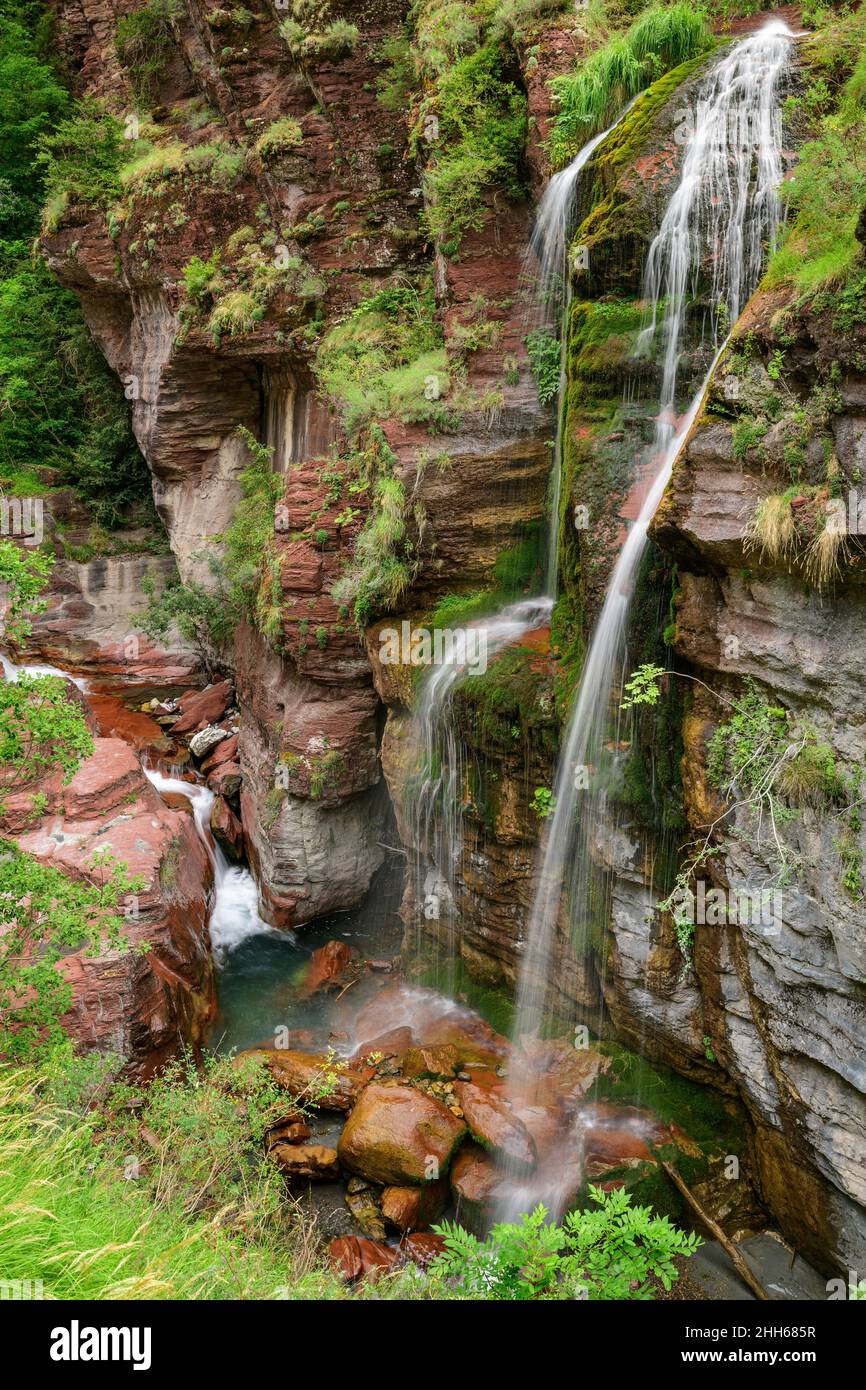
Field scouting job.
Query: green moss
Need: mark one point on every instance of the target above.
(517, 571)
(616, 230)
(515, 693)
(664, 37)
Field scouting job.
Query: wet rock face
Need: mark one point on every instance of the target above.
(90, 625)
(353, 185)
(783, 1001)
(140, 1006)
(312, 812)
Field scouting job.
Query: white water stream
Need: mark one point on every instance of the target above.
(235, 914)
(438, 798)
(724, 211)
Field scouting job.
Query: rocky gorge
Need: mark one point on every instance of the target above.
(301, 237)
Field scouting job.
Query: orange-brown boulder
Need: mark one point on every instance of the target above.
(495, 1125)
(356, 1257)
(415, 1208)
(398, 1135)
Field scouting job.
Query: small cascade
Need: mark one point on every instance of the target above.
(546, 260)
(724, 210)
(12, 670)
(438, 796)
(439, 793)
(235, 915)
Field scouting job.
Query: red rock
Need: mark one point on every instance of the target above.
(422, 1247)
(415, 1208)
(391, 1044)
(225, 752)
(227, 829)
(310, 1162)
(356, 1257)
(619, 1136)
(141, 1005)
(203, 707)
(291, 1129)
(494, 1124)
(542, 1123)
(312, 1076)
(115, 720)
(398, 1135)
(225, 780)
(474, 1182)
(434, 1061)
(112, 778)
(326, 967)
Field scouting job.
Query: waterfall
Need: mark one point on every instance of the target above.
(438, 795)
(12, 670)
(235, 914)
(724, 209)
(548, 250)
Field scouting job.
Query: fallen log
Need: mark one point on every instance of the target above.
(738, 1260)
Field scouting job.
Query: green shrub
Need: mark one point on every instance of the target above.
(201, 1215)
(827, 192)
(81, 158)
(199, 276)
(235, 313)
(482, 131)
(332, 41)
(380, 572)
(378, 360)
(611, 1251)
(144, 42)
(60, 405)
(281, 137)
(45, 916)
(544, 360)
(31, 101)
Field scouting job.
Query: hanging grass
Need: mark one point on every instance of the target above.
(663, 37)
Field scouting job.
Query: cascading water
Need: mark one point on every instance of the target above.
(725, 211)
(235, 914)
(439, 793)
(547, 254)
(12, 670)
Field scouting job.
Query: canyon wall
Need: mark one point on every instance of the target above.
(328, 745)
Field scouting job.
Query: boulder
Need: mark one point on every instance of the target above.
(317, 1078)
(202, 742)
(227, 829)
(391, 1044)
(398, 1135)
(203, 707)
(494, 1125)
(291, 1129)
(355, 1257)
(415, 1208)
(326, 968)
(143, 1003)
(361, 1201)
(116, 720)
(225, 780)
(310, 1162)
(434, 1061)
(225, 752)
(474, 1182)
